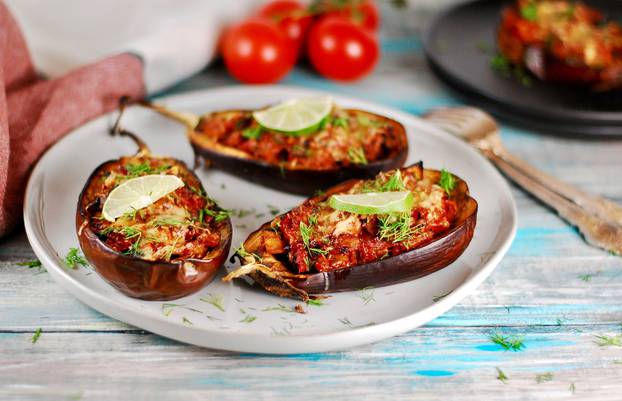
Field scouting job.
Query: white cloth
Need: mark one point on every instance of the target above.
(174, 38)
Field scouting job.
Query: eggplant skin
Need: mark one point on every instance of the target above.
(148, 280)
(295, 181)
(410, 265)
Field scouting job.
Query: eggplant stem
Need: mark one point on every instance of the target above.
(116, 129)
(188, 119)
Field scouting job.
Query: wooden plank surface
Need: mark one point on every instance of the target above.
(552, 290)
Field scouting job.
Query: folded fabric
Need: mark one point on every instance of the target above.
(173, 38)
(34, 113)
(94, 53)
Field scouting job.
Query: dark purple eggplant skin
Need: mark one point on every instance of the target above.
(300, 182)
(410, 265)
(139, 278)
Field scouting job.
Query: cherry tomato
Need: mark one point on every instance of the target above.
(341, 50)
(362, 12)
(256, 51)
(291, 16)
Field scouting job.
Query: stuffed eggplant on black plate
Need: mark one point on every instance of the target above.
(400, 225)
(299, 146)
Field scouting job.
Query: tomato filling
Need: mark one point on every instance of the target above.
(570, 32)
(320, 238)
(345, 137)
(178, 226)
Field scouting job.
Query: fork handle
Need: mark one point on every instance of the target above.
(602, 233)
(598, 205)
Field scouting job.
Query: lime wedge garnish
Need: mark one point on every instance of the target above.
(295, 116)
(137, 193)
(373, 202)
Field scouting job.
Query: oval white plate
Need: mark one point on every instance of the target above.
(236, 316)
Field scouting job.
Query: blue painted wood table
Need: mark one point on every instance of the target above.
(559, 295)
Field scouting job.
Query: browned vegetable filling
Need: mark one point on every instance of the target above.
(345, 137)
(320, 238)
(570, 31)
(181, 225)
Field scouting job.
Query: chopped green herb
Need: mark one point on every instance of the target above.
(366, 294)
(131, 215)
(273, 209)
(396, 227)
(345, 321)
(500, 63)
(31, 264)
(252, 132)
(340, 122)
(501, 376)
(280, 308)
(447, 181)
(248, 319)
(74, 259)
(186, 320)
(130, 232)
(216, 300)
(544, 377)
(315, 302)
(36, 335)
(395, 183)
(218, 215)
(357, 155)
(588, 277)
(319, 192)
(572, 388)
(507, 342)
(365, 121)
(305, 233)
(608, 341)
(530, 11)
(135, 170)
(318, 251)
(166, 222)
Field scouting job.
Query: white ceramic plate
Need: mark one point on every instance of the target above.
(235, 316)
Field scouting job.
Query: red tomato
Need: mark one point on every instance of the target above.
(361, 12)
(291, 16)
(341, 50)
(256, 51)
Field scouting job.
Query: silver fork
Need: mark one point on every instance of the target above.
(598, 219)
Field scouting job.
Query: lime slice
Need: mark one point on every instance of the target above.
(373, 202)
(295, 116)
(137, 193)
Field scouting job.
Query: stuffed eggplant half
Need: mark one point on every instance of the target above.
(400, 225)
(146, 225)
(299, 146)
(563, 41)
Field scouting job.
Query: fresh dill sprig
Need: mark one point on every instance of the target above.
(218, 215)
(248, 319)
(395, 183)
(609, 341)
(135, 170)
(544, 377)
(30, 263)
(366, 294)
(357, 155)
(215, 300)
(36, 335)
(273, 209)
(166, 221)
(131, 232)
(280, 308)
(305, 233)
(447, 181)
(396, 227)
(73, 259)
(509, 343)
(501, 376)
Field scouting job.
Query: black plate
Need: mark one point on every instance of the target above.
(459, 45)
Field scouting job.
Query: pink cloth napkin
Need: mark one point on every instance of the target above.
(34, 113)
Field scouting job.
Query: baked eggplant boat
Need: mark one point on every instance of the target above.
(563, 41)
(345, 144)
(346, 240)
(170, 247)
